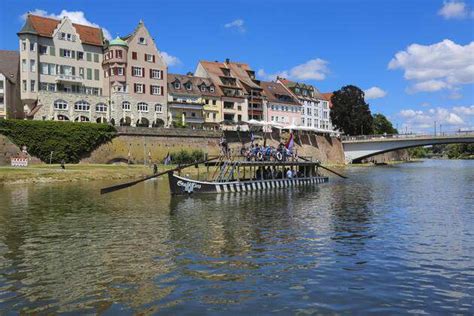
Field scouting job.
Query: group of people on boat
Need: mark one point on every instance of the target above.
(268, 153)
(266, 173)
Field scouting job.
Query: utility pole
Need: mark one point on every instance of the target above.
(440, 126)
(434, 128)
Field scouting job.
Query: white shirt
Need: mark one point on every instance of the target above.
(289, 174)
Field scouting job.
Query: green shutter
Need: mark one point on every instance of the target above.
(96, 74)
(89, 74)
(96, 58)
(89, 57)
(52, 51)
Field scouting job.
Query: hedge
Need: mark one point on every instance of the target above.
(185, 157)
(69, 141)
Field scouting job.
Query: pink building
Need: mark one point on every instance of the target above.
(281, 106)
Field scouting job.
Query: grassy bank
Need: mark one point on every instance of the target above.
(82, 172)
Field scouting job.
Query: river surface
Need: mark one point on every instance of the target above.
(393, 239)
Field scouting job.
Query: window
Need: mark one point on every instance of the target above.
(134, 55)
(149, 58)
(142, 41)
(32, 47)
(89, 56)
(23, 65)
(142, 107)
(1, 100)
(155, 74)
(101, 107)
(120, 71)
(177, 85)
(137, 71)
(96, 58)
(96, 74)
(82, 106)
(23, 45)
(188, 86)
(214, 102)
(89, 74)
(66, 53)
(118, 53)
(156, 90)
(24, 85)
(60, 105)
(32, 65)
(139, 88)
(69, 37)
(203, 88)
(43, 50)
(80, 55)
(32, 85)
(126, 106)
(81, 72)
(158, 108)
(211, 88)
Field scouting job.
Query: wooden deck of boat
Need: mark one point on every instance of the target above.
(245, 163)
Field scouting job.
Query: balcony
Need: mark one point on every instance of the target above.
(69, 78)
(185, 105)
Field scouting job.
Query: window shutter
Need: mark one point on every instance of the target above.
(143, 88)
(151, 73)
(73, 54)
(153, 58)
(143, 72)
(135, 87)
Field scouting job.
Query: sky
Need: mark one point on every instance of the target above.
(413, 58)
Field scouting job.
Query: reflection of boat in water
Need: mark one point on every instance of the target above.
(243, 176)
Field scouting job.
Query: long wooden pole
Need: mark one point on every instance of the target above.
(319, 165)
(132, 183)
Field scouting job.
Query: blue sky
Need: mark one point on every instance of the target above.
(417, 56)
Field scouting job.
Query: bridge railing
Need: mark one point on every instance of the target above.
(407, 136)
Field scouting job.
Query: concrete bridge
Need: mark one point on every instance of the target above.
(357, 148)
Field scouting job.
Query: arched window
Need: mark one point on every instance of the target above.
(82, 119)
(126, 106)
(142, 107)
(63, 118)
(82, 106)
(158, 108)
(101, 107)
(60, 105)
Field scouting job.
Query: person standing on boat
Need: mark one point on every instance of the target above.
(289, 174)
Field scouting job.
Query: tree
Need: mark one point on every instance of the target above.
(382, 125)
(350, 113)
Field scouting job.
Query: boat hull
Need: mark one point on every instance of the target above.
(184, 186)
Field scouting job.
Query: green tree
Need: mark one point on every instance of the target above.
(350, 113)
(382, 125)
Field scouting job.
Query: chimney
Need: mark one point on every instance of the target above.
(227, 60)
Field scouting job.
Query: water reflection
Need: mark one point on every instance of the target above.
(386, 241)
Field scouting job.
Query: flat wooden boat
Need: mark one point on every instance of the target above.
(242, 176)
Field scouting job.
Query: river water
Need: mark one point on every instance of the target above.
(394, 239)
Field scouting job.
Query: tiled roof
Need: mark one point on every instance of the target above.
(240, 70)
(196, 85)
(9, 64)
(45, 27)
(214, 70)
(276, 92)
(328, 96)
(292, 85)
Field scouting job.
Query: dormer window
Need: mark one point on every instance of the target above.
(177, 85)
(203, 88)
(211, 88)
(188, 86)
(142, 41)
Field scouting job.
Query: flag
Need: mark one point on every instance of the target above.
(167, 159)
(290, 143)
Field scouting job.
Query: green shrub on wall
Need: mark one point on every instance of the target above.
(68, 140)
(185, 157)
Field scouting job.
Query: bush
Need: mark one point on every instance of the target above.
(186, 157)
(70, 141)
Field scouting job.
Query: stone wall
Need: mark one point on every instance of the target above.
(397, 155)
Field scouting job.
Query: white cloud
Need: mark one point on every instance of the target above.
(418, 120)
(236, 24)
(443, 65)
(425, 104)
(77, 17)
(374, 93)
(454, 10)
(464, 110)
(314, 69)
(170, 60)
